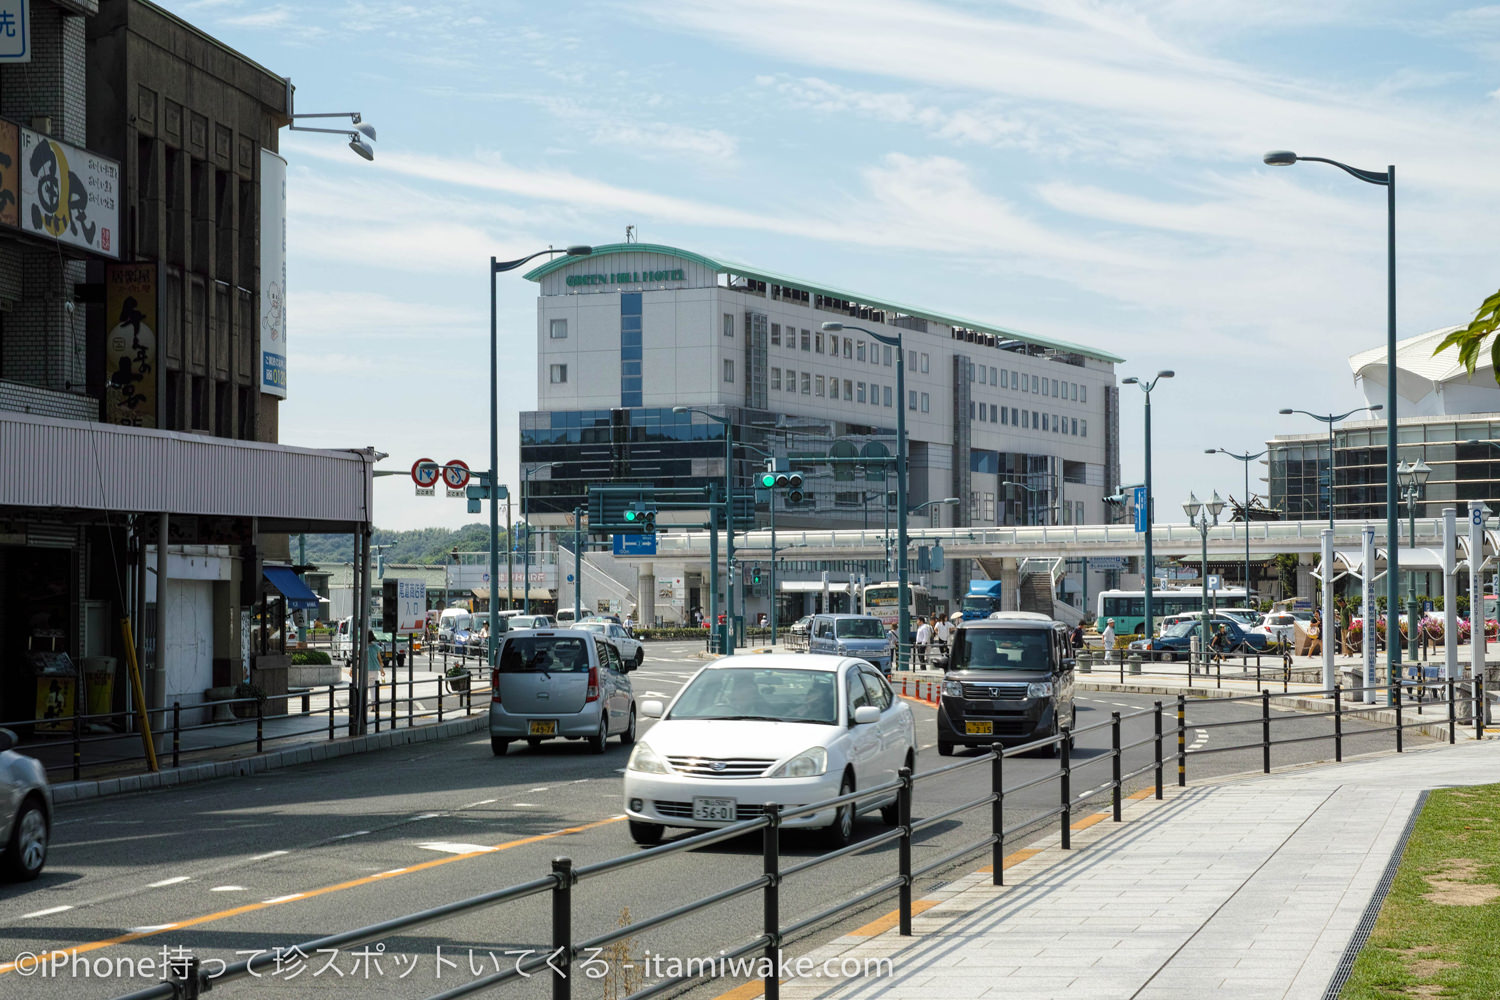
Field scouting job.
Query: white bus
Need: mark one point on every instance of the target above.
(1128, 607)
(882, 602)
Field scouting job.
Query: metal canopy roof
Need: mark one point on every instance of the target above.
(722, 266)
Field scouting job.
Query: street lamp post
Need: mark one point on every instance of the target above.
(526, 519)
(903, 620)
(1330, 419)
(578, 513)
(498, 267)
(1285, 158)
(1146, 387)
(1413, 478)
(1198, 515)
(1051, 508)
(727, 639)
(1247, 458)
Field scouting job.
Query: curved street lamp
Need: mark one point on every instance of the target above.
(1330, 419)
(727, 633)
(1146, 387)
(1247, 458)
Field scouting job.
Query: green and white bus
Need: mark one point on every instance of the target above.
(1128, 607)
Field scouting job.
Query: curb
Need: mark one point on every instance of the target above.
(302, 753)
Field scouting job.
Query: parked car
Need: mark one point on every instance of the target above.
(863, 636)
(1281, 626)
(560, 684)
(771, 727)
(1248, 617)
(628, 645)
(1177, 641)
(1009, 680)
(25, 812)
(523, 621)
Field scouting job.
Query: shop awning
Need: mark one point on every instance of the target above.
(537, 593)
(289, 586)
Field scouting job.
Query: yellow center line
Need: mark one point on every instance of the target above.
(309, 894)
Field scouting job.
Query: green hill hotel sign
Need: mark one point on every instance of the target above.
(626, 277)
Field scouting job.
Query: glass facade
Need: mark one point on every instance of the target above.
(630, 349)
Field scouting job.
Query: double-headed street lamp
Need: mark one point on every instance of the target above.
(727, 638)
(1330, 419)
(903, 620)
(1413, 480)
(1198, 515)
(1247, 458)
(1387, 180)
(497, 267)
(1146, 387)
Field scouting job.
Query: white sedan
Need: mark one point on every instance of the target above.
(628, 645)
(758, 728)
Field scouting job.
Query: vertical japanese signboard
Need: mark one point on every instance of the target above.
(130, 355)
(272, 274)
(69, 194)
(15, 31)
(10, 173)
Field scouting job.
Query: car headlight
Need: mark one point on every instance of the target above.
(644, 759)
(1039, 689)
(953, 689)
(807, 764)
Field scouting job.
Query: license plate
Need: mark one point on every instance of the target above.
(979, 728)
(714, 809)
(542, 727)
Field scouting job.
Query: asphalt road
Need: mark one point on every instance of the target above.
(250, 865)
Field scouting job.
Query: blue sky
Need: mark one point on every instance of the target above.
(1085, 171)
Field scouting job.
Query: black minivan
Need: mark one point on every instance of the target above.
(1009, 680)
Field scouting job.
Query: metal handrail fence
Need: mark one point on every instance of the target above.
(190, 979)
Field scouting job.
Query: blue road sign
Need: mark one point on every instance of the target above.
(635, 545)
(1140, 508)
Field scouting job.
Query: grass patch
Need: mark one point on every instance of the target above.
(1438, 934)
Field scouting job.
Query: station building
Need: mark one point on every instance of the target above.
(1021, 429)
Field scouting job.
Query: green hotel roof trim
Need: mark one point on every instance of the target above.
(771, 277)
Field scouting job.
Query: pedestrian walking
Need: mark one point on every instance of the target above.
(1109, 641)
(924, 637)
(1076, 637)
(1218, 644)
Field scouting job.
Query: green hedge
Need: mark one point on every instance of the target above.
(646, 634)
(310, 658)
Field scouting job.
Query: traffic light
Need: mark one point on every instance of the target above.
(642, 516)
(755, 576)
(794, 488)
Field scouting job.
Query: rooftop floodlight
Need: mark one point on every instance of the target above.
(1280, 158)
(361, 131)
(833, 325)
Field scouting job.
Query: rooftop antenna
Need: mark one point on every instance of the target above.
(629, 234)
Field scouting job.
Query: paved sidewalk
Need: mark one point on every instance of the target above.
(1247, 888)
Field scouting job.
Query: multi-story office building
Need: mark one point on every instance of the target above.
(1021, 429)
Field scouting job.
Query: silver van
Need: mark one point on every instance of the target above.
(863, 636)
(560, 684)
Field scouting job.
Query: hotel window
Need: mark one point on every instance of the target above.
(729, 369)
(924, 402)
(887, 357)
(971, 411)
(833, 388)
(859, 351)
(819, 386)
(1033, 383)
(833, 344)
(1016, 381)
(924, 363)
(874, 354)
(1078, 512)
(1023, 384)
(1044, 421)
(875, 395)
(807, 340)
(911, 399)
(848, 348)
(1083, 394)
(791, 380)
(1004, 415)
(1026, 419)
(807, 383)
(848, 386)
(911, 361)
(994, 376)
(818, 341)
(859, 387)
(1015, 417)
(1083, 428)
(992, 413)
(1035, 421)
(1004, 378)
(982, 376)
(885, 394)
(729, 324)
(558, 374)
(1054, 388)
(776, 378)
(557, 329)
(775, 334)
(1075, 426)
(1073, 389)
(971, 371)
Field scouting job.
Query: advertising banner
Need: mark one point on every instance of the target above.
(69, 194)
(130, 358)
(272, 274)
(10, 173)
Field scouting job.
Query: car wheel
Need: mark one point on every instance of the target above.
(27, 850)
(628, 736)
(640, 657)
(597, 742)
(499, 746)
(841, 831)
(945, 749)
(533, 741)
(646, 834)
(1167, 656)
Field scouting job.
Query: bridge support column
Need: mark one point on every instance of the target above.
(645, 595)
(1010, 583)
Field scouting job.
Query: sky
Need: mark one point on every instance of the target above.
(1082, 170)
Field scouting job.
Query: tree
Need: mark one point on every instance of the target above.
(1470, 340)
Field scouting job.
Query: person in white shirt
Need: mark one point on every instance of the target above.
(942, 632)
(924, 636)
(1109, 641)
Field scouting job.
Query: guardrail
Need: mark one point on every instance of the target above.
(565, 949)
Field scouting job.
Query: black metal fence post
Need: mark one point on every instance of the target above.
(1338, 723)
(331, 689)
(1182, 741)
(376, 688)
(260, 724)
(1399, 731)
(561, 957)
(176, 733)
(1478, 707)
(1265, 731)
(442, 683)
(1157, 718)
(997, 815)
(1114, 739)
(1066, 781)
(1452, 715)
(770, 841)
(903, 849)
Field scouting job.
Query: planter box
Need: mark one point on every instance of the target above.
(458, 685)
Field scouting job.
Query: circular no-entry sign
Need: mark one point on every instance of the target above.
(456, 474)
(424, 472)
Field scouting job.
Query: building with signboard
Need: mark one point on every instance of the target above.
(142, 346)
(1022, 429)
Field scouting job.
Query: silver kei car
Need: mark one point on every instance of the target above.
(25, 812)
(565, 683)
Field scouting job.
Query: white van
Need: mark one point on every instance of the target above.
(450, 621)
(564, 617)
(343, 639)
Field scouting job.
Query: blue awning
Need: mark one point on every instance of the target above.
(294, 590)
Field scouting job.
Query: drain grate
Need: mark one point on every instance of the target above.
(1367, 920)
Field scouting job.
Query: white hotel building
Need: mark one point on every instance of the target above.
(1020, 428)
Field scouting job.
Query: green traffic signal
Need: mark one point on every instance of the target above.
(768, 480)
(630, 514)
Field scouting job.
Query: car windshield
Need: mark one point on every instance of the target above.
(1001, 649)
(760, 694)
(859, 628)
(549, 654)
(1181, 629)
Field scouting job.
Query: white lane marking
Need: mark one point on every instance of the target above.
(267, 855)
(168, 881)
(393, 871)
(1200, 738)
(227, 888)
(45, 913)
(523, 805)
(346, 836)
(541, 788)
(150, 928)
(425, 816)
(284, 899)
(450, 847)
(619, 770)
(481, 802)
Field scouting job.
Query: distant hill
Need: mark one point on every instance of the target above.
(422, 546)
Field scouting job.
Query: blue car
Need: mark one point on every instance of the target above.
(1176, 642)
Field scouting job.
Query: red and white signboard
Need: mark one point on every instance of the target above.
(425, 472)
(456, 476)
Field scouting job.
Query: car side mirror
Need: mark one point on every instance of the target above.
(866, 714)
(651, 708)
